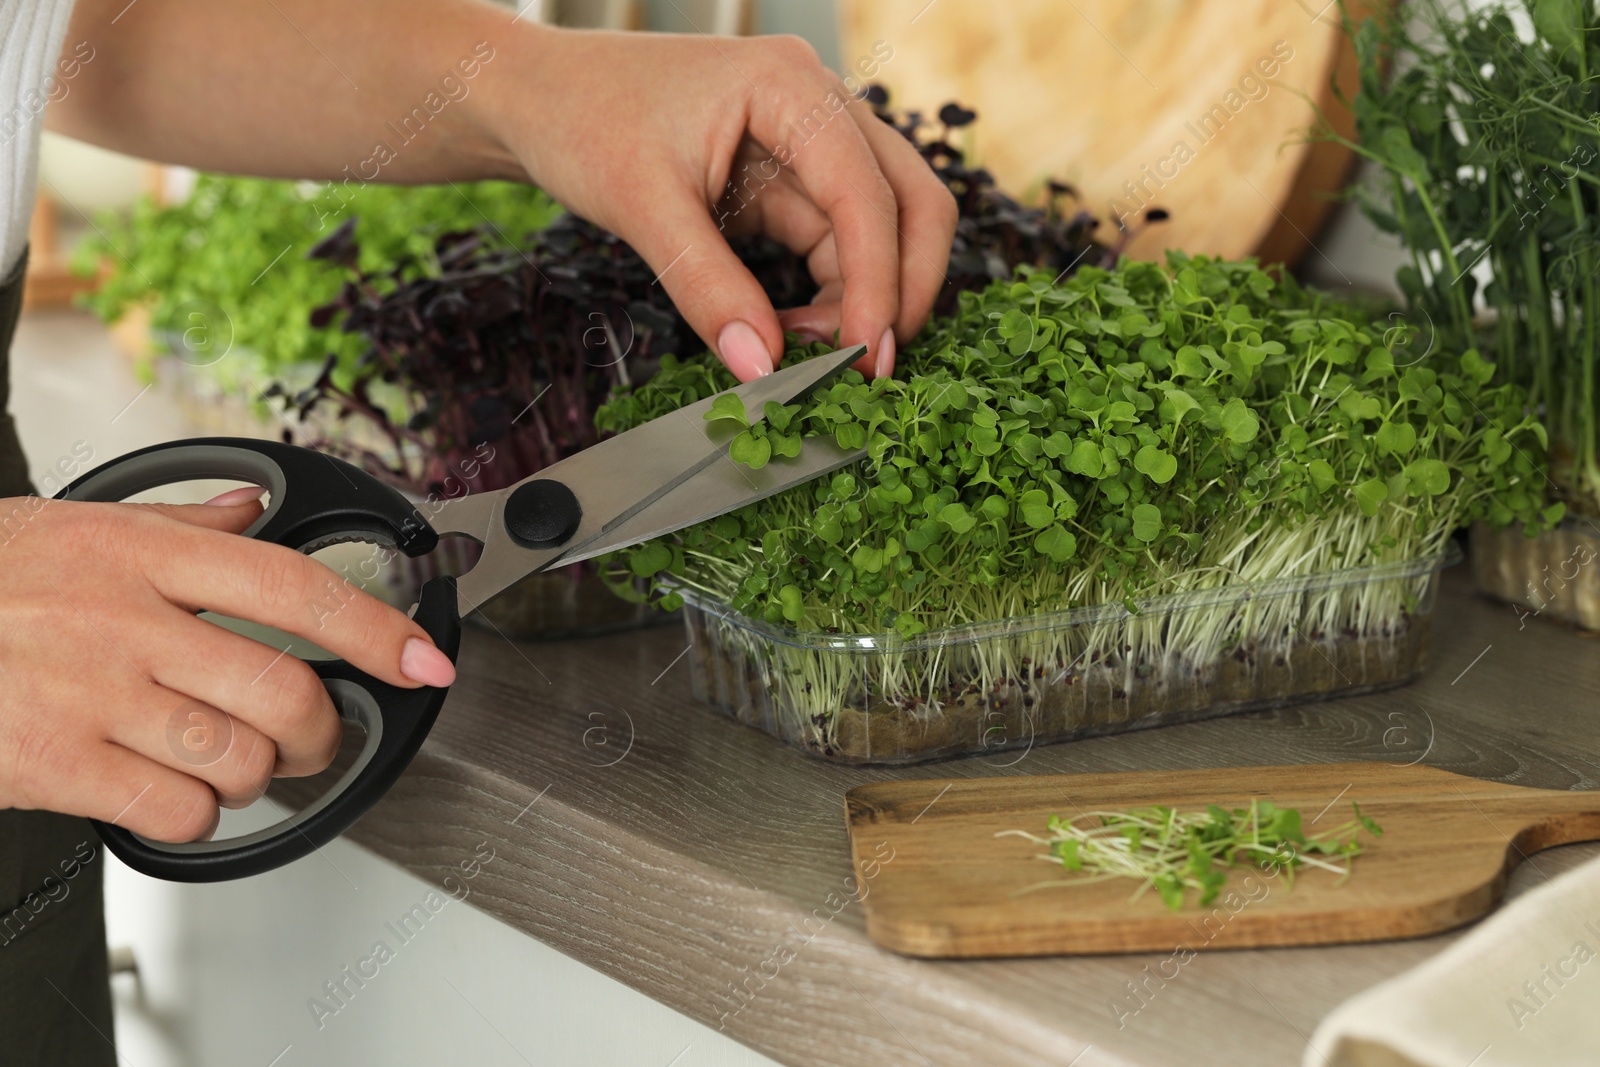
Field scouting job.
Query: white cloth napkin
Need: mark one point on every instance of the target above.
(1522, 988)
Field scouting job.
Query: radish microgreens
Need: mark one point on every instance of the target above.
(1121, 434)
(1177, 852)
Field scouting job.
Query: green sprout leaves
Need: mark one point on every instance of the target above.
(792, 602)
(1561, 22)
(1396, 438)
(1117, 435)
(1056, 542)
(1370, 496)
(750, 450)
(1428, 476)
(650, 560)
(1146, 522)
(1158, 465)
(1179, 852)
(1086, 459)
(1239, 422)
(728, 408)
(760, 441)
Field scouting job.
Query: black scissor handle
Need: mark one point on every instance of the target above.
(315, 500)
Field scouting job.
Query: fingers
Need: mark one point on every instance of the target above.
(817, 321)
(231, 512)
(201, 569)
(264, 691)
(781, 210)
(839, 171)
(926, 222)
(116, 785)
(65, 761)
(194, 738)
(716, 292)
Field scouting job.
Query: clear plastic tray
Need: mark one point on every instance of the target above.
(1014, 683)
(567, 602)
(1554, 575)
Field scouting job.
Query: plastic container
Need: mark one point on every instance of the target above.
(1015, 683)
(567, 602)
(1554, 575)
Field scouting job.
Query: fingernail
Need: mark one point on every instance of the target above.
(234, 497)
(216, 824)
(886, 354)
(422, 662)
(743, 351)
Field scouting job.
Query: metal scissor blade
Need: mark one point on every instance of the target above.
(619, 477)
(716, 490)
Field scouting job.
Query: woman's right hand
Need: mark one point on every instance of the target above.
(106, 673)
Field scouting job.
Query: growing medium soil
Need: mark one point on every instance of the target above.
(1059, 702)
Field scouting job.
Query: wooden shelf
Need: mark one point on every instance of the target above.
(50, 282)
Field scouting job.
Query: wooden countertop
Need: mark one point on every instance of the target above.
(644, 834)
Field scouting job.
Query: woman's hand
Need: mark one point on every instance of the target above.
(643, 133)
(670, 140)
(117, 703)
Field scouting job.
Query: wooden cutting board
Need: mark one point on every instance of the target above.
(936, 881)
(1199, 108)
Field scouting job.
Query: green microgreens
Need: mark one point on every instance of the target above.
(1175, 852)
(238, 245)
(1485, 136)
(1118, 435)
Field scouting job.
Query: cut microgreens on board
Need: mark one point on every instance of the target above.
(1192, 851)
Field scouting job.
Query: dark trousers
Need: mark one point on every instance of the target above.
(55, 996)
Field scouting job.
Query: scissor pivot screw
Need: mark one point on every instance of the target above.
(542, 514)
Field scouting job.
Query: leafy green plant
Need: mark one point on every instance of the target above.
(1486, 136)
(1124, 434)
(1181, 852)
(239, 244)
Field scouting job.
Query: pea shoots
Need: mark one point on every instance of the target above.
(1486, 137)
(1176, 852)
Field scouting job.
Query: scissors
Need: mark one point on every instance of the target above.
(658, 477)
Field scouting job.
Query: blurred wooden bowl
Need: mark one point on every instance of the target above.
(1200, 108)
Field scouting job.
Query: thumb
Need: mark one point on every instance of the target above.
(230, 512)
(713, 290)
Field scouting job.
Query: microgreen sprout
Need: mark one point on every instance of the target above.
(1119, 435)
(1177, 852)
(1198, 431)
